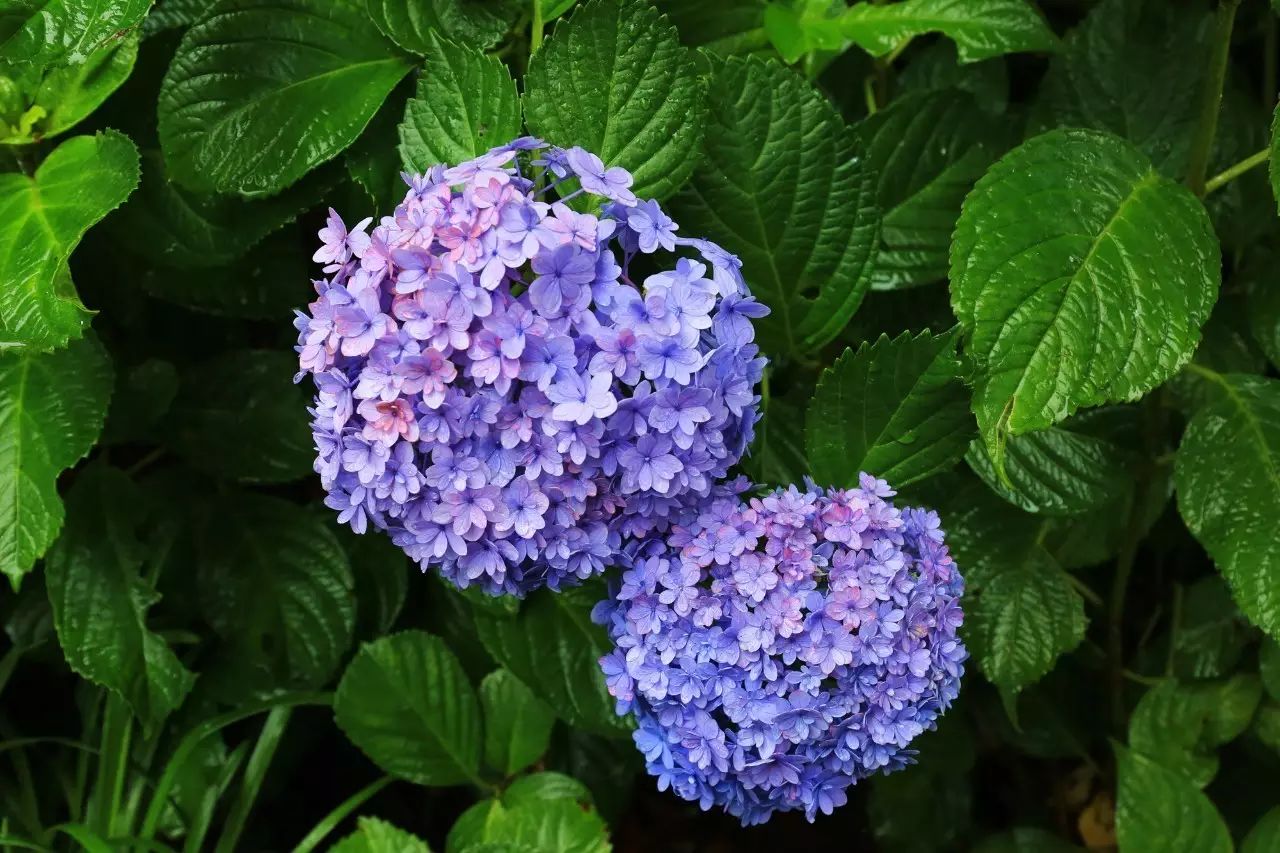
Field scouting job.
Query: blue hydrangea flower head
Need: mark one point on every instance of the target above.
(776, 650)
(512, 388)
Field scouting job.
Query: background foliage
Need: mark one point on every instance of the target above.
(1020, 259)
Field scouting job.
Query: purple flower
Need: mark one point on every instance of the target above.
(758, 661)
(497, 395)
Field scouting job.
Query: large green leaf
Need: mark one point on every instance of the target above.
(262, 91)
(614, 79)
(1265, 835)
(65, 32)
(726, 27)
(52, 407)
(238, 416)
(1228, 480)
(980, 28)
(1057, 471)
(1081, 276)
(517, 725)
(785, 186)
(895, 409)
(554, 648)
(1212, 632)
(377, 836)
(542, 813)
(1022, 611)
(412, 24)
(65, 96)
(1181, 726)
(1159, 810)
(276, 586)
(42, 218)
(175, 227)
(405, 701)
(927, 149)
(466, 104)
(100, 600)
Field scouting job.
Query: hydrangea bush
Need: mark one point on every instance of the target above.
(1013, 257)
(499, 394)
(777, 649)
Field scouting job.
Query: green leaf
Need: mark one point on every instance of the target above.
(1228, 481)
(942, 779)
(895, 409)
(1226, 346)
(52, 407)
(928, 149)
(1103, 80)
(980, 28)
(405, 701)
(549, 826)
(1081, 276)
(1181, 726)
(809, 26)
(1269, 667)
(936, 67)
(554, 648)
(41, 221)
(100, 600)
(777, 455)
(276, 586)
(263, 285)
(541, 787)
(1057, 472)
(1212, 635)
(239, 416)
(66, 32)
(1159, 810)
(381, 572)
(1264, 315)
(412, 24)
(377, 836)
(69, 94)
(466, 104)
(373, 161)
(726, 27)
(517, 725)
(262, 91)
(1265, 835)
(175, 227)
(614, 79)
(174, 14)
(785, 186)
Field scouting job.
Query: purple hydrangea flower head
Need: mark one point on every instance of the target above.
(502, 392)
(776, 650)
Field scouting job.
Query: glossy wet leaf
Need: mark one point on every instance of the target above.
(927, 149)
(276, 586)
(1228, 477)
(412, 23)
(980, 28)
(1181, 726)
(100, 599)
(52, 407)
(554, 647)
(895, 409)
(67, 95)
(1057, 472)
(517, 725)
(1265, 835)
(373, 835)
(1081, 276)
(405, 701)
(239, 416)
(784, 185)
(1159, 810)
(42, 219)
(614, 79)
(466, 103)
(262, 91)
(548, 826)
(66, 32)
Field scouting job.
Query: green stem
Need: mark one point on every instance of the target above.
(113, 762)
(193, 738)
(1225, 177)
(254, 772)
(1085, 591)
(535, 28)
(1211, 97)
(198, 824)
(339, 814)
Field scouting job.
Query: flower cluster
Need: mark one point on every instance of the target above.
(502, 390)
(777, 650)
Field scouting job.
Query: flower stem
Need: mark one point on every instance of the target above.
(339, 814)
(1228, 175)
(1211, 97)
(535, 28)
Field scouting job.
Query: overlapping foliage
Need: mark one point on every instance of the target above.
(1019, 258)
